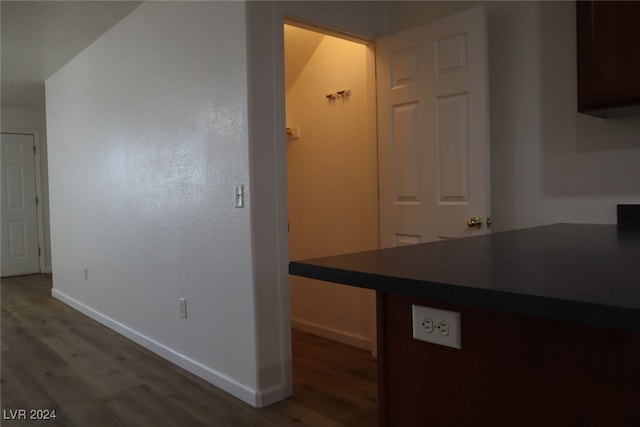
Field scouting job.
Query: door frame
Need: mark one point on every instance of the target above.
(39, 210)
(268, 192)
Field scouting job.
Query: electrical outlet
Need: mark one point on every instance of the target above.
(183, 307)
(436, 326)
(426, 324)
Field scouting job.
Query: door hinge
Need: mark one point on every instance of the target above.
(39, 252)
(37, 201)
(34, 149)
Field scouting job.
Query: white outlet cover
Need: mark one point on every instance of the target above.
(453, 338)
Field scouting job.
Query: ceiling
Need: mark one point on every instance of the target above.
(299, 45)
(39, 37)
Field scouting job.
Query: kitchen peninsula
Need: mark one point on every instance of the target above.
(550, 326)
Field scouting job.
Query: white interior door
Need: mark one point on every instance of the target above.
(433, 121)
(19, 211)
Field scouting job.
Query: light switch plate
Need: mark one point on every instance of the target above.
(183, 307)
(240, 196)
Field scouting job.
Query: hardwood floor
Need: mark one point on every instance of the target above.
(55, 358)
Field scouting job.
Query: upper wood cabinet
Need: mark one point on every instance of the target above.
(608, 57)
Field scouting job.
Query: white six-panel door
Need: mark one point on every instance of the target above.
(433, 130)
(19, 212)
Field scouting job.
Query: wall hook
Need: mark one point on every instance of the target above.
(339, 94)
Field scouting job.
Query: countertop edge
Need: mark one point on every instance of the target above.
(619, 318)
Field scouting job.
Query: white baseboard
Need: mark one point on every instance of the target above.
(257, 398)
(332, 334)
(271, 395)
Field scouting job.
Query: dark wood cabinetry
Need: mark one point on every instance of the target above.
(512, 371)
(608, 57)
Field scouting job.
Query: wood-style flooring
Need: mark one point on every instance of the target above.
(55, 358)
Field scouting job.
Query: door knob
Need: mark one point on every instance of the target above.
(474, 222)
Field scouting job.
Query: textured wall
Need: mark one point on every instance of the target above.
(148, 138)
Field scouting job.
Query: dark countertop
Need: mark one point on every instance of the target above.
(580, 273)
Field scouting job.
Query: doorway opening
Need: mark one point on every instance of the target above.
(332, 196)
(331, 176)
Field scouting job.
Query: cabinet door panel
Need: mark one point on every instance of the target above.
(608, 60)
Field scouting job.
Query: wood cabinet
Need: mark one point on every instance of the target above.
(608, 59)
(511, 371)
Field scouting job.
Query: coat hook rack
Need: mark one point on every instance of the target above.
(339, 94)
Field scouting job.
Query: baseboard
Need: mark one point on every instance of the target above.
(271, 395)
(332, 334)
(256, 398)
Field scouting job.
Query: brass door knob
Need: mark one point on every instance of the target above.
(474, 222)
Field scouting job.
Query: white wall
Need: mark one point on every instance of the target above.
(33, 119)
(361, 18)
(548, 163)
(148, 137)
(332, 180)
